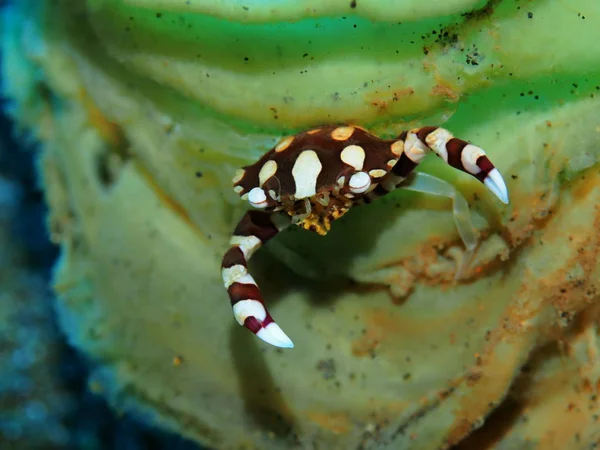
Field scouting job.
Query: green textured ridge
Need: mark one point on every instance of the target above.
(146, 108)
(293, 10)
(389, 69)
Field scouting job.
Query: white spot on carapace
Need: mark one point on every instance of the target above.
(247, 244)
(274, 195)
(354, 156)
(315, 131)
(437, 140)
(342, 133)
(377, 173)
(349, 195)
(267, 171)
(397, 148)
(246, 308)
(305, 172)
(341, 181)
(257, 198)
(283, 144)
(238, 189)
(239, 174)
(391, 163)
(469, 156)
(359, 182)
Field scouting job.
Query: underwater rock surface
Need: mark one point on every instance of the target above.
(147, 107)
(45, 401)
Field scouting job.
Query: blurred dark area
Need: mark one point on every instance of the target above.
(17, 165)
(60, 412)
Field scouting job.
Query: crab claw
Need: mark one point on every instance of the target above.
(495, 183)
(274, 335)
(265, 329)
(249, 309)
(252, 314)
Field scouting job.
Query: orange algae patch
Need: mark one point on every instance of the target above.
(108, 130)
(379, 326)
(338, 423)
(389, 326)
(445, 91)
(584, 186)
(484, 386)
(165, 198)
(383, 99)
(398, 94)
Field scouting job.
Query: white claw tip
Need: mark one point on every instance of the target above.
(274, 335)
(495, 183)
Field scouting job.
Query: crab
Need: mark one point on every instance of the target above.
(313, 178)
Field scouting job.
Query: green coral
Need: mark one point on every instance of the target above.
(146, 109)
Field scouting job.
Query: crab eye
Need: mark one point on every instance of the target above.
(359, 182)
(257, 198)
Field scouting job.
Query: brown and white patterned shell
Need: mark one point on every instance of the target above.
(314, 162)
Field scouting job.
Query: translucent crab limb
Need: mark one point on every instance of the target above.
(299, 264)
(428, 184)
(254, 230)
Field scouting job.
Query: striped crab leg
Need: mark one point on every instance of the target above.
(249, 309)
(414, 145)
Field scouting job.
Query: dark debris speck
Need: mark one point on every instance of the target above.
(327, 368)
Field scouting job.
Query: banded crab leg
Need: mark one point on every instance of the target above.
(249, 309)
(457, 153)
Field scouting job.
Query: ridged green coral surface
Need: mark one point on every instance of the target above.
(147, 107)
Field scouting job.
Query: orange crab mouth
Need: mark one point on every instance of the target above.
(316, 215)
